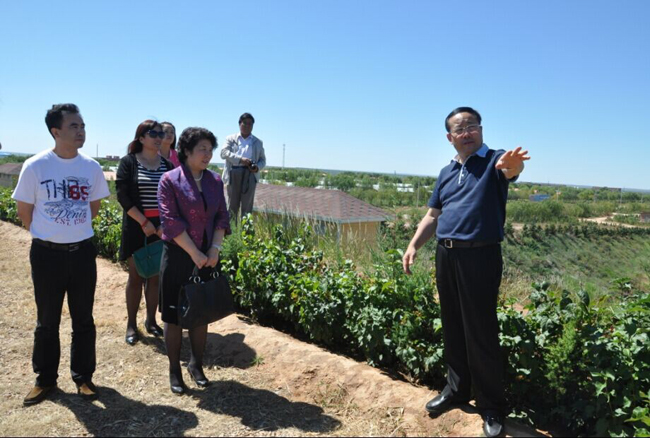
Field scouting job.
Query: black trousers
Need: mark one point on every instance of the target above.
(468, 282)
(55, 272)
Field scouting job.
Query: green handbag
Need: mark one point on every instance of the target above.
(147, 259)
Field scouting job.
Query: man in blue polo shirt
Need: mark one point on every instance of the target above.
(467, 212)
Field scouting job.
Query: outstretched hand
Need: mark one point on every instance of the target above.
(512, 162)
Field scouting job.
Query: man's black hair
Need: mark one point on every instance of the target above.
(246, 116)
(462, 109)
(54, 116)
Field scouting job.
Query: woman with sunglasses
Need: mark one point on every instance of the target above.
(168, 147)
(136, 182)
(194, 220)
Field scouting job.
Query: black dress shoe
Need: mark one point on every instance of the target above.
(132, 339)
(177, 389)
(492, 424)
(176, 383)
(155, 330)
(443, 402)
(199, 378)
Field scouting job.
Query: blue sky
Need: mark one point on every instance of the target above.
(351, 85)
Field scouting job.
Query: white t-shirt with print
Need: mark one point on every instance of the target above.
(61, 191)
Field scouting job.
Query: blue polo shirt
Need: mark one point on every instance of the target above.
(472, 197)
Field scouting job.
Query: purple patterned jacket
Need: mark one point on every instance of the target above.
(181, 206)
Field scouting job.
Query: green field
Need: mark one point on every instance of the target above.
(598, 265)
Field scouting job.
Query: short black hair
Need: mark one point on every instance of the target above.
(462, 109)
(189, 139)
(54, 116)
(246, 116)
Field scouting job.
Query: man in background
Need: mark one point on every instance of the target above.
(244, 158)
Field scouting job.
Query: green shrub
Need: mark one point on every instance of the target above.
(580, 364)
(107, 226)
(8, 210)
(569, 361)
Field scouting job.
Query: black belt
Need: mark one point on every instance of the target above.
(451, 243)
(69, 247)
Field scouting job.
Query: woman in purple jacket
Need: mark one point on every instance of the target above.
(194, 222)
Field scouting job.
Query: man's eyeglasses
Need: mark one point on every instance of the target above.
(472, 129)
(153, 134)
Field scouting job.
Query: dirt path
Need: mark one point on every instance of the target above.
(265, 383)
(608, 220)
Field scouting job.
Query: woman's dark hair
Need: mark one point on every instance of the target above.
(136, 146)
(54, 116)
(189, 139)
(462, 109)
(173, 145)
(245, 116)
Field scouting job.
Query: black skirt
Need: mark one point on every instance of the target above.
(176, 267)
(133, 237)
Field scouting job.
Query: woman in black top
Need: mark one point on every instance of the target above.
(137, 183)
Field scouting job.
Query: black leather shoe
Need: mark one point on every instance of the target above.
(37, 395)
(177, 389)
(154, 329)
(492, 424)
(199, 378)
(132, 339)
(176, 383)
(443, 402)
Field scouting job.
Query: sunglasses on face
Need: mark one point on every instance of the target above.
(153, 134)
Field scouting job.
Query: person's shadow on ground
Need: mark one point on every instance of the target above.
(220, 350)
(260, 409)
(228, 351)
(122, 416)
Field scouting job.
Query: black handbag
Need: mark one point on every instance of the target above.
(202, 302)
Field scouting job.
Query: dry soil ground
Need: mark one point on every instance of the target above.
(265, 382)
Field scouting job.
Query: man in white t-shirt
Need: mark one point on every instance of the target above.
(58, 193)
(244, 158)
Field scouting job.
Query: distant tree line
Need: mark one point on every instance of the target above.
(385, 190)
(388, 191)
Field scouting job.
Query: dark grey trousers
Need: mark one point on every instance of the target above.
(241, 192)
